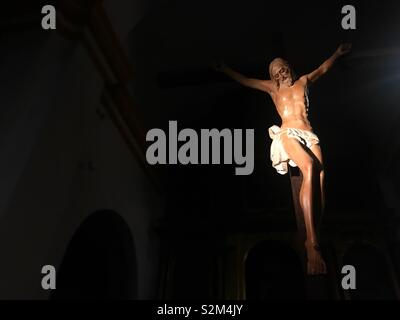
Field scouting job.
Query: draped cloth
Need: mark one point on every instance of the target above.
(279, 157)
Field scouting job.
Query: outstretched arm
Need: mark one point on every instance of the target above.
(327, 65)
(263, 85)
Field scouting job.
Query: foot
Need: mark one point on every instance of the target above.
(315, 263)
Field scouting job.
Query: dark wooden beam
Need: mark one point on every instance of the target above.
(295, 180)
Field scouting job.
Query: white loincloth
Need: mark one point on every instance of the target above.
(279, 157)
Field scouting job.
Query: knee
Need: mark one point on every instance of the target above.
(308, 169)
(322, 174)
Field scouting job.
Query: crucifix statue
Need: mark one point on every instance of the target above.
(294, 143)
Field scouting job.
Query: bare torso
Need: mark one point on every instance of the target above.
(292, 105)
(291, 101)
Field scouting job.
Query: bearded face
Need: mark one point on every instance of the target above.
(280, 72)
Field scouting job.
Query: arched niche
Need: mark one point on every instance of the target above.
(100, 261)
(273, 271)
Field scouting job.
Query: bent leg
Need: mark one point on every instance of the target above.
(316, 149)
(306, 163)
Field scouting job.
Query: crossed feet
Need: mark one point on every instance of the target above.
(315, 262)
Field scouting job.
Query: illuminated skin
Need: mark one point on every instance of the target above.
(291, 101)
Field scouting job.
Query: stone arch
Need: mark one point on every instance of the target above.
(273, 270)
(100, 260)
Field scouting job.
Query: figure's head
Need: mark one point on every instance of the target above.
(281, 73)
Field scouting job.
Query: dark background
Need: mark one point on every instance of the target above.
(352, 109)
(168, 51)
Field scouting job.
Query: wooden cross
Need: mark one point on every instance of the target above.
(296, 178)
